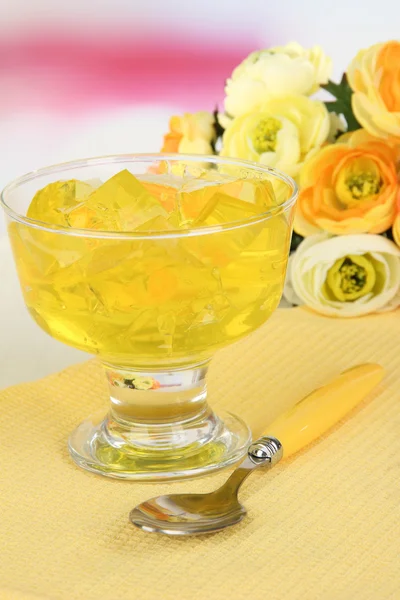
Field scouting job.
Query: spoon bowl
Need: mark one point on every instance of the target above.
(195, 514)
(187, 514)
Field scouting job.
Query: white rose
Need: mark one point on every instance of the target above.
(278, 71)
(345, 276)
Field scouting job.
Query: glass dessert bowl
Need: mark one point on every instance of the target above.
(152, 263)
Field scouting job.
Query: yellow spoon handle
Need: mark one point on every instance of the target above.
(323, 408)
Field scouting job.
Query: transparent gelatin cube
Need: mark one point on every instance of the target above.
(259, 192)
(166, 323)
(81, 298)
(121, 204)
(222, 209)
(205, 328)
(114, 296)
(165, 194)
(270, 248)
(42, 254)
(34, 262)
(159, 223)
(107, 256)
(140, 331)
(197, 194)
(143, 291)
(211, 309)
(219, 248)
(52, 203)
(85, 217)
(262, 264)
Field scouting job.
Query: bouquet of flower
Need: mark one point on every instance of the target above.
(344, 154)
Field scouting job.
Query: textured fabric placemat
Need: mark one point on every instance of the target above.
(323, 525)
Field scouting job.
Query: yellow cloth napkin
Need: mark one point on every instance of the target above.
(323, 525)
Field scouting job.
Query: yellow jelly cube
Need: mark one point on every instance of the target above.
(259, 192)
(222, 247)
(52, 203)
(222, 209)
(84, 217)
(159, 223)
(166, 194)
(252, 191)
(121, 204)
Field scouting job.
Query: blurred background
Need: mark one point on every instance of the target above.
(83, 78)
(91, 77)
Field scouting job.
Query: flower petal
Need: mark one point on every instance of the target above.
(314, 257)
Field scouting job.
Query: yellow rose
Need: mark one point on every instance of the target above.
(277, 71)
(374, 76)
(190, 134)
(281, 133)
(349, 187)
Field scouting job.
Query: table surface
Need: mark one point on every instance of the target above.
(321, 526)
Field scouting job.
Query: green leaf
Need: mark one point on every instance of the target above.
(218, 127)
(296, 241)
(388, 234)
(219, 130)
(342, 93)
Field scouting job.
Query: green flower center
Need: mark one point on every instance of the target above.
(363, 185)
(350, 278)
(264, 135)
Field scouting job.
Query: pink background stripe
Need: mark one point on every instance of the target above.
(74, 74)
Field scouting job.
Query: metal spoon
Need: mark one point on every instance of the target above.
(194, 514)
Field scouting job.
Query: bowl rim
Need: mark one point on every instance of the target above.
(146, 157)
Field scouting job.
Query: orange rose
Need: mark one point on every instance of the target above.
(190, 134)
(374, 76)
(171, 139)
(396, 230)
(349, 187)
